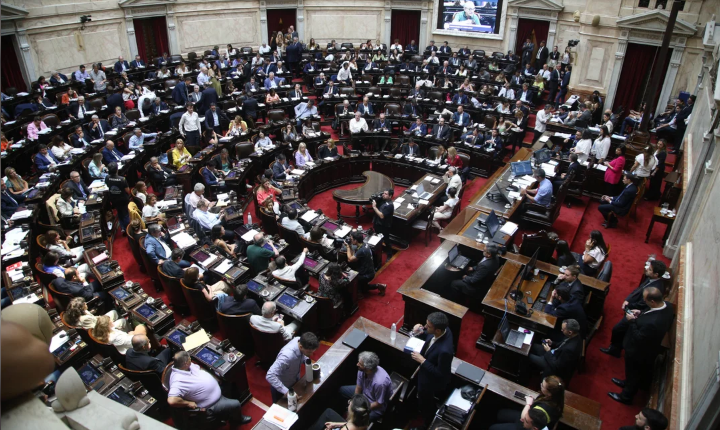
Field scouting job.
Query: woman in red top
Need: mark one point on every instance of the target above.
(614, 171)
(453, 159)
(265, 193)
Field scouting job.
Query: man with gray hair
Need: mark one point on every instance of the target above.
(110, 154)
(98, 127)
(198, 194)
(373, 382)
(191, 387)
(270, 322)
(560, 359)
(138, 138)
(160, 175)
(259, 256)
(156, 246)
(139, 358)
(453, 180)
(203, 78)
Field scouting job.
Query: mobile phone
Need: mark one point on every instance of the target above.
(520, 395)
(530, 300)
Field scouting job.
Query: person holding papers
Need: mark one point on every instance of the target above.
(45, 161)
(541, 119)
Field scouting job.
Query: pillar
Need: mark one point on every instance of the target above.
(388, 26)
(512, 34)
(617, 68)
(669, 81)
(132, 39)
(423, 42)
(300, 14)
(550, 42)
(173, 40)
(25, 60)
(263, 23)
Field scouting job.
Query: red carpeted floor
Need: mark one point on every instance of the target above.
(628, 254)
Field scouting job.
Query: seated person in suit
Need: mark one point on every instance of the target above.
(160, 175)
(563, 306)
(78, 187)
(560, 359)
(281, 168)
(172, 266)
(212, 176)
(157, 247)
(111, 154)
(140, 358)
(545, 409)
(98, 127)
(460, 118)
(269, 322)
(574, 166)
(460, 98)
(238, 303)
(440, 130)
(74, 285)
(290, 222)
(411, 149)
(542, 195)
(620, 205)
(78, 139)
(478, 280)
(45, 160)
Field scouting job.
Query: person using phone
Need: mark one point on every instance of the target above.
(549, 404)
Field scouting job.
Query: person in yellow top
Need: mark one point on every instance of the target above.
(180, 154)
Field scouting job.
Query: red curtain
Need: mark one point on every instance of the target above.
(536, 31)
(140, 39)
(280, 20)
(159, 26)
(635, 76)
(151, 37)
(405, 26)
(11, 74)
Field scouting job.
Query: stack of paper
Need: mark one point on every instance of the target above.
(21, 214)
(544, 139)
(374, 239)
(184, 240)
(280, 416)
(509, 228)
(297, 172)
(224, 266)
(414, 344)
(165, 203)
(342, 231)
(199, 338)
(247, 237)
(309, 215)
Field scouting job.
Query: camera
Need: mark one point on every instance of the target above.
(377, 197)
(573, 43)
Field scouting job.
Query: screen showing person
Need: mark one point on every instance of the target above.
(474, 16)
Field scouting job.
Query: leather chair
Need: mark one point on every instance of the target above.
(51, 120)
(135, 248)
(176, 58)
(184, 418)
(478, 54)
(203, 310)
(97, 104)
(426, 226)
(292, 239)
(45, 277)
(84, 334)
(538, 242)
(170, 83)
(404, 80)
(132, 115)
(244, 149)
(62, 300)
(106, 349)
(435, 95)
(546, 216)
(276, 115)
(237, 330)
(348, 92)
(150, 380)
(269, 223)
(267, 345)
(174, 292)
(374, 90)
(329, 315)
(576, 186)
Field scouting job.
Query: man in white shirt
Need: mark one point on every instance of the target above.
(194, 198)
(525, 95)
(203, 79)
(507, 92)
(138, 139)
(305, 110)
(287, 272)
(290, 222)
(358, 124)
(345, 74)
(190, 127)
(541, 119)
(433, 59)
(545, 73)
(271, 323)
(264, 49)
(263, 142)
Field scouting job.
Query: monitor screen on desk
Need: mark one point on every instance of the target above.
(88, 374)
(178, 337)
(493, 223)
(309, 262)
(146, 311)
(87, 231)
(254, 286)
(288, 300)
(297, 206)
(329, 225)
(201, 256)
(420, 189)
(103, 268)
(120, 294)
(454, 252)
(521, 168)
(86, 217)
(207, 356)
(122, 397)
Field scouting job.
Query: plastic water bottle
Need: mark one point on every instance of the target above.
(249, 219)
(292, 400)
(308, 370)
(393, 332)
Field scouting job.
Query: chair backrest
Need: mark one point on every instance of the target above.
(291, 237)
(276, 115)
(489, 121)
(244, 149)
(106, 349)
(478, 53)
(374, 90)
(267, 345)
(237, 330)
(132, 115)
(203, 310)
(554, 210)
(135, 248)
(150, 380)
(436, 95)
(465, 158)
(538, 242)
(174, 291)
(393, 108)
(150, 266)
(170, 83)
(349, 92)
(605, 273)
(404, 80)
(62, 300)
(329, 316)
(269, 224)
(135, 213)
(51, 120)
(84, 334)
(51, 205)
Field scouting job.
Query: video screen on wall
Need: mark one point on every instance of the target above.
(472, 16)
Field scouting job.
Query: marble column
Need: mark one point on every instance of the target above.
(512, 34)
(551, 33)
(173, 36)
(300, 24)
(263, 24)
(422, 43)
(617, 68)
(388, 27)
(669, 82)
(25, 60)
(132, 38)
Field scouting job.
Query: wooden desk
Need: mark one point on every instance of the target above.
(375, 183)
(580, 412)
(481, 203)
(663, 219)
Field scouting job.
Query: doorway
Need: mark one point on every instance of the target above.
(11, 73)
(637, 69)
(405, 26)
(532, 29)
(280, 20)
(151, 37)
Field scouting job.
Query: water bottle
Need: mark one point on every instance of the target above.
(308, 370)
(292, 400)
(249, 219)
(393, 332)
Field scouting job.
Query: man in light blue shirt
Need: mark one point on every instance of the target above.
(542, 195)
(202, 78)
(138, 139)
(285, 371)
(262, 142)
(305, 110)
(81, 75)
(206, 219)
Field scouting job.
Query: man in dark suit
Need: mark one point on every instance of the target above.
(636, 301)
(441, 131)
(619, 205)
(366, 108)
(554, 82)
(78, 187)
(79, 108)
(569, 279)
(648, 419)
(160, 175)
(98, 127)
(239, 303)
(541, 56)
(563, 306)
(431, 47)
(435, 359)
(157, 106)
(209, 97)
(574, 166)
(561, 360)
(411, 149)
(250, 107)
(58, 78)
(527, 50)
(416, 93)
(139, 358)
(121, 65)
(445, 49)
(328, 95)
(163, 61)
(110, 153)
(563, 86)
(642, 343)
(479, 279)
(251, 85)
(72, 284)
(180, 92)
(381, 124)
(281, 168)
(8, 205)
(171, 267)
(461, 118)
(294, 53)
(137, 62)
(411, 109)
(79, 139)
(412, 47)
(115, 100)
(460, 98)
(212, 118)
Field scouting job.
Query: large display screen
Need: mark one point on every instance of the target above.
(473, 16)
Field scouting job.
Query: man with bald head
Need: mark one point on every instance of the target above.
(139, 358)
(259, 256)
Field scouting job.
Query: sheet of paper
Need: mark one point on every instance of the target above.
(544, 139)
(196, 339)
(224, 266)
(457, 400)
(429, 178)
(309, 215)
(21, 214)
(211, 259)
(247, 237)
(528, 336)
(32, 298)
(399, 200)
(342, 231)
(600, 167)
(414, 344)
(423, 202)
(435, 181)
(58, 340)
(201, 269)
(281, 417)
(184, 240)
(509, 228)
(396, 204)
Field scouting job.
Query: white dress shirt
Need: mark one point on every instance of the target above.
(541, 119)
(190, 122)
(206, 219)
(344, 74)
(265, 141)
(358, 124)
(600, 148)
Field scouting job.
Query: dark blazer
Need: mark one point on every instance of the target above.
(330, 90)
(249, 86)
(434, 374)
(644, 337)
(553, 81)
(9, 204)
(144, 361)
(409, 109)
(565, 79)
(119, 64)
(42, 163)
(324, 152)
(573, 167)
(158, 176)
(78, 189)
(445, 49)
(180, 93)
(135, 64)
(75, 289)
(250, 107)
(543, 54)
(209, 177)
(622, 203)
(162, 62)
(635, 298)
(209, 96)
(293, 52)
(210, 120)
(171, 268)
(408, 150)
(365, 109)
(155, 250)
(570, 310)
(108, 155)
(461, 120)
(380, 124)
(95, 132)
(56, 82)
(423, 128)
(444, 134)
(232, 307)
(482, 271)
(460, 100)
(577, 291)
(279, 170)
(75, 108)
(114, 101)
(78, 142)
(562, 363)
(155, 108)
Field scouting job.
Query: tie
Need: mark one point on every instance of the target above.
(82, 108)
(83, 192)
(10, 197)
(102, 133)
(117, 157)
(439, 132)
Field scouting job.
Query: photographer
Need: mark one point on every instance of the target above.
(365, 267)
(382, 221)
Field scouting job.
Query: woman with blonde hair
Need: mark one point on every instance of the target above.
(328, 151)
(105, 332)
(237, 126)
(140, 191)
(539, 83)
(16, 185)
(302, 156)
(180, 155)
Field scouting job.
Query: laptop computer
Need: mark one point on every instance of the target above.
(492, 228)
(542, 155)
(422, 194)
(457, 260)
(521, 168)
(511, 337)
